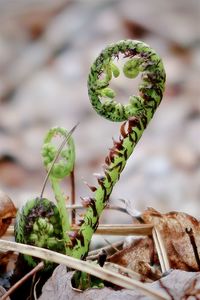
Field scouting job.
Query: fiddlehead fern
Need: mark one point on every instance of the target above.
(59, 171)
(137, 113)
(65, 165)
(141, 58)
(40, 222)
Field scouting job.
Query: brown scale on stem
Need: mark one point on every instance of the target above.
(80, 222)
(76, 236)
(114, 151)
(108, 175)
(85, 201)
(107, 160)
(118, 145)
(100, 178)
(92, 188)
(89, 202)
(123, 130)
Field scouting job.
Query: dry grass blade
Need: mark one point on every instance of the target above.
(84, 266)
(111, 245)
(109, 249)
(109, 229)
(73, 197)
(160, 247)
(125, 271)
(22, 280)
(34, 289)
(2, 292)
(121, 229)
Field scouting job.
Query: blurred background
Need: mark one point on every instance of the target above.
(46, 50)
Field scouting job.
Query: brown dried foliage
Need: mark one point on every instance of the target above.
(141, 255)
(7, 212)
(172, 227)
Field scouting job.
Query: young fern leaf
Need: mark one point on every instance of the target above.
(58, 171)
(40, 222)
(136, 114)
(43, 224)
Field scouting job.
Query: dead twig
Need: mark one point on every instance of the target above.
(93, 255)
(34, 289)
(190, 233)
(125, 271)
(84, 266)
(109, 229)
(73, 197)
(122, 229)
(111, 245)
(39, 267)
(160, 247)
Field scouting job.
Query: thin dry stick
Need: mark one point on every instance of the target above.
(56, 157)
(110, 229)
(83, 266)
(111, 245)
(190, 233)
(34, 289)
(128, 272)
(73, 197)
(121, 229)
(161, 250)
(106, 248)
(39, 267)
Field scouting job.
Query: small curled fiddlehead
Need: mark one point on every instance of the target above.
(65, 165)
(40, 222)
(59, 171)
(137, 114)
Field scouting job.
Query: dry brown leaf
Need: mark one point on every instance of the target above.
(83, 266)
(177, 284)
(125, 271)
(2, 292)
(139, 257)
(7, 261)
(7, 212)
(7, 265)
(172, 227)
